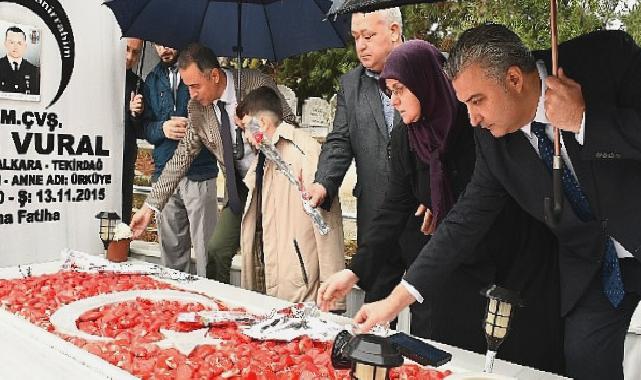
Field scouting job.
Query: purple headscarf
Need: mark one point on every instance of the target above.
(419, 66)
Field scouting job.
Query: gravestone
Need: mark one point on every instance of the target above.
(316, 117)
(332, 112)
(315, 112)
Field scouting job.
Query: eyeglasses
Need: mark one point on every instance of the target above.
(397, 90)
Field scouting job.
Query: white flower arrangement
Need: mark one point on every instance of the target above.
(121, 232)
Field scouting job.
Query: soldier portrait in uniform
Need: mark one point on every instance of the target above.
(19, 67)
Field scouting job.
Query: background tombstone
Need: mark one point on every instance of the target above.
(316, 117)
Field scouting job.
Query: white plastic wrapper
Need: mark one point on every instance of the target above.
(289, 328)
(84, 262)
(217, 316)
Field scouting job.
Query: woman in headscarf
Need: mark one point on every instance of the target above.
(432, 160)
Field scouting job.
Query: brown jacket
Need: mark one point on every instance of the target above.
(204, 131)
(284, 221)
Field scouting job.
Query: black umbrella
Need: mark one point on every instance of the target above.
(358, 6)
(552, 206)
(270, 29)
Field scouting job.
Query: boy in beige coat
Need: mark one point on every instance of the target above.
(295, 257)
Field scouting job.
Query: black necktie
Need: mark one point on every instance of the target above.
(15, 66)
(260, 172)
(611, 272)
(259, 254)
(228, 158)
(173, 78)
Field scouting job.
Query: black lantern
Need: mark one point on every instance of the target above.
(370, 357)
(108, 221)
(501, 305)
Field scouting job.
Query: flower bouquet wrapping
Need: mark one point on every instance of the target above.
(272, 154)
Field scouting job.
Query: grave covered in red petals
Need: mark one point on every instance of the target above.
(117, 318)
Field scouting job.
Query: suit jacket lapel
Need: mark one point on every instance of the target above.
(530, 169)
(205, 122)
(582, 170)
(373, 97)
(535, 179)
(213, 132)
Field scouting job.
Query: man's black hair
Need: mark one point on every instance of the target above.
(15, 29)
(201, 55)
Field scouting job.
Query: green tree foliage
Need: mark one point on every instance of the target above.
(632, 22)
(316, 74)
(442, 23)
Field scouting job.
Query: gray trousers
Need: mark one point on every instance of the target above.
(188, 219)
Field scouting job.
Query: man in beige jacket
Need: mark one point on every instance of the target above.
(296, 258)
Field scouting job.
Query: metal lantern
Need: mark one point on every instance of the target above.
(108, 221)
(370, 357)
(501, 306)
(339, 359)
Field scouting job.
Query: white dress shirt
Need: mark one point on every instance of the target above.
(229, 97)
(14, 60)
(171, 70)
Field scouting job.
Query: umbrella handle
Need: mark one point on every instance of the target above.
(239, 48)
(555, 37)
(553, 207)
(555, 62)
(141, 63)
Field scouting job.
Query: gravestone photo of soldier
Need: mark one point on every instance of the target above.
(19, 67)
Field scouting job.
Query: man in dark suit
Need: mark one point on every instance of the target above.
(510, 95)
(134, 107)
(18, 75)
(363, 122)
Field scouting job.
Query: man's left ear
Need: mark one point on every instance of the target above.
(214, 75)
(514, 78)
(396, 33)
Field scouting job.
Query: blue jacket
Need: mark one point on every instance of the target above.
(159, 107)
